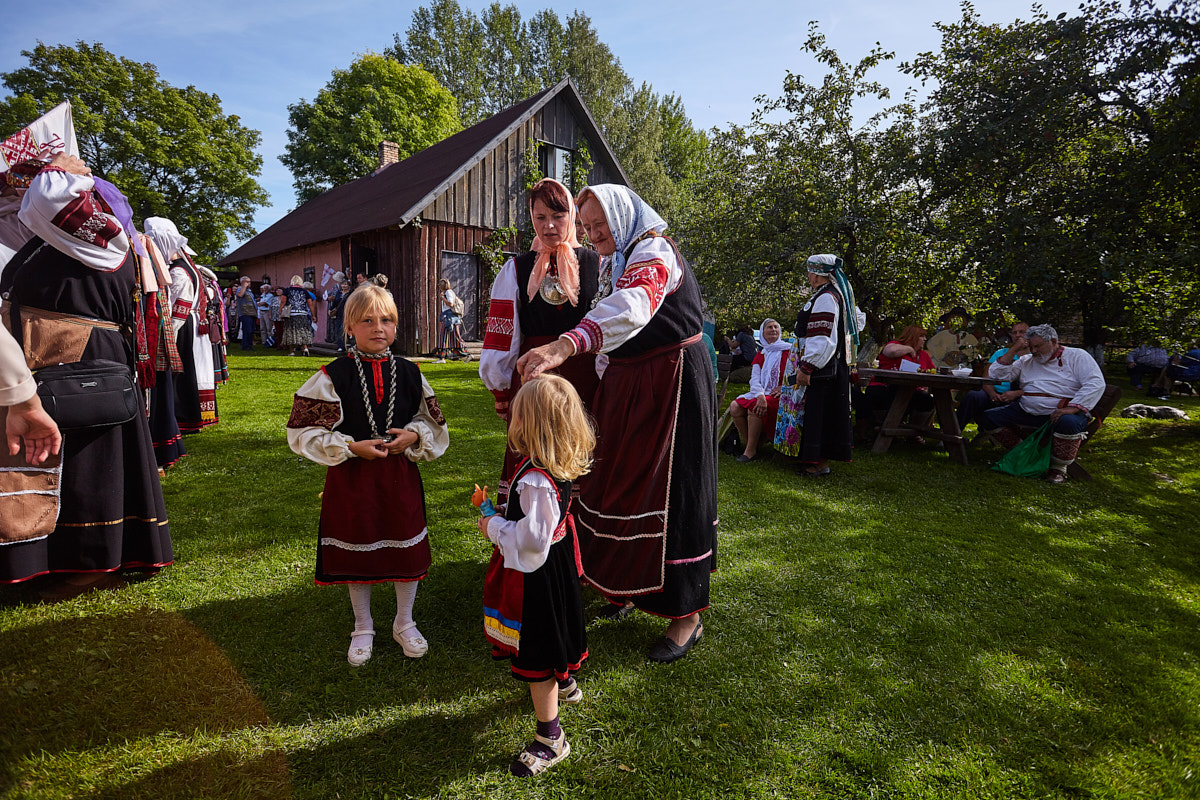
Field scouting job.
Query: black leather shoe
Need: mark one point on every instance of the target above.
(665, 651)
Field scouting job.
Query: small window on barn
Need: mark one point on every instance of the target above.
(556, 163)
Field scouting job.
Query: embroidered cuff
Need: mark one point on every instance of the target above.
(502, 395)
(807, 368)
(577, 340)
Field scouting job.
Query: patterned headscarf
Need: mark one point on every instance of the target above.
(629, 217)
(829, 264)
(563, 252)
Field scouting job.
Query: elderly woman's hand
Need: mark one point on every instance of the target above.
(544, 358)
(760, 406)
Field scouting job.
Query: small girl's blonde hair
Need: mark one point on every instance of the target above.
(549, 424)
(366, 300)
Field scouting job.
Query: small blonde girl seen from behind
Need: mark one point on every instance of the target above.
(551, 427)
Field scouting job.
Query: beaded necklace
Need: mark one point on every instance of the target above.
(358, 356)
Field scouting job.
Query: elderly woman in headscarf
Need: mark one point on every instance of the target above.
(537, 297)
(828, 330)
(647, 516)
(71, 292)
(754, 412)
(195, 386)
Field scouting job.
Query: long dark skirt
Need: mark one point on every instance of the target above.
(638, 401)
(828, 433)
(550, 637)
(164, 428)
(112, 515)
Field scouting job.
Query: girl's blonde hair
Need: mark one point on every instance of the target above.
(366, 300)
(548, 424)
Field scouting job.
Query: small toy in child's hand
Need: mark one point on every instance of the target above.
(480, 500)
(387, 438)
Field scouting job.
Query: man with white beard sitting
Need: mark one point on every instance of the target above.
(1061, 384)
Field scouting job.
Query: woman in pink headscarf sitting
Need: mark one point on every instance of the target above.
(537, 297)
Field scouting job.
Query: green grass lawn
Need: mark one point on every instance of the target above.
(909, 628)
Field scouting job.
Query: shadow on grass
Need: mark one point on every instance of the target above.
(119, 683)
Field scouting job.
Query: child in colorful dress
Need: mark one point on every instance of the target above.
(368, 416)
(533, 609)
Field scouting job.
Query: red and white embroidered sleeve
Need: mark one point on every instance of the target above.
(499, 326)
(651, 276)
(84, 218)
(820, 323)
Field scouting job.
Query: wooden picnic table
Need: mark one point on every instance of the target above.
(942, 388)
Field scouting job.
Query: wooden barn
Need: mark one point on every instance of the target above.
(420, 219)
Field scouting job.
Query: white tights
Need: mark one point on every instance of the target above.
(360, 600)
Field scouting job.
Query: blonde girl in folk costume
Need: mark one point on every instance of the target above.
(369, 416)
(533, 610)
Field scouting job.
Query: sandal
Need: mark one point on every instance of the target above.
(571, 693)
(357, 656)
(413, 646)
(540, 755)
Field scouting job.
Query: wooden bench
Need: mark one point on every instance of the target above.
(724, 362)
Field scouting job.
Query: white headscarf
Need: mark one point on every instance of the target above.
(773, 353)
(165, 235)
(628, 216)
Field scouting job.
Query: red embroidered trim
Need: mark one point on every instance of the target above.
(652, 276)
(84, 218)
(181, 309)
(377, 379)
(500, 326)
(310, 413)
(592, 335)
(435, 410)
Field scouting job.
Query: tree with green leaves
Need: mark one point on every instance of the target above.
(335, 138)
(805, 177)
(1063, 156)
(494, 60)
(173, 152)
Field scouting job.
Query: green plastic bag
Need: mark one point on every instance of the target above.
(1030, 458)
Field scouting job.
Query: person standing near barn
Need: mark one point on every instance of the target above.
(648, 511)
(537, 297)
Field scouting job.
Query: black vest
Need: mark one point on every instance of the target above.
(513, 511)
(539, 318)
(840, 356)
(344, 374)
(679, 317)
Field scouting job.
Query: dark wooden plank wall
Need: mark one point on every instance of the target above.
(491, 194)
(434, 238)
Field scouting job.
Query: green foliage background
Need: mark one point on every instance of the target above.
(173, 152)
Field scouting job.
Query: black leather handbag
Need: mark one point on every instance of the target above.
(87, 394)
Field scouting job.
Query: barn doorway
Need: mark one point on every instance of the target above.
(462, 270)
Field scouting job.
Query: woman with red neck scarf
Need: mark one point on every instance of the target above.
(537, 297)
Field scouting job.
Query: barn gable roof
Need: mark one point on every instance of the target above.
(397, 193)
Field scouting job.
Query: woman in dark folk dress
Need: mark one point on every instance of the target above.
(71, 298)
(827, 328)
(648, 511)
(536, 298)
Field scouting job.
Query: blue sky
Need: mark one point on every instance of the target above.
(259, 57)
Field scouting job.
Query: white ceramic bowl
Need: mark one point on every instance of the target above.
(961, 372)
